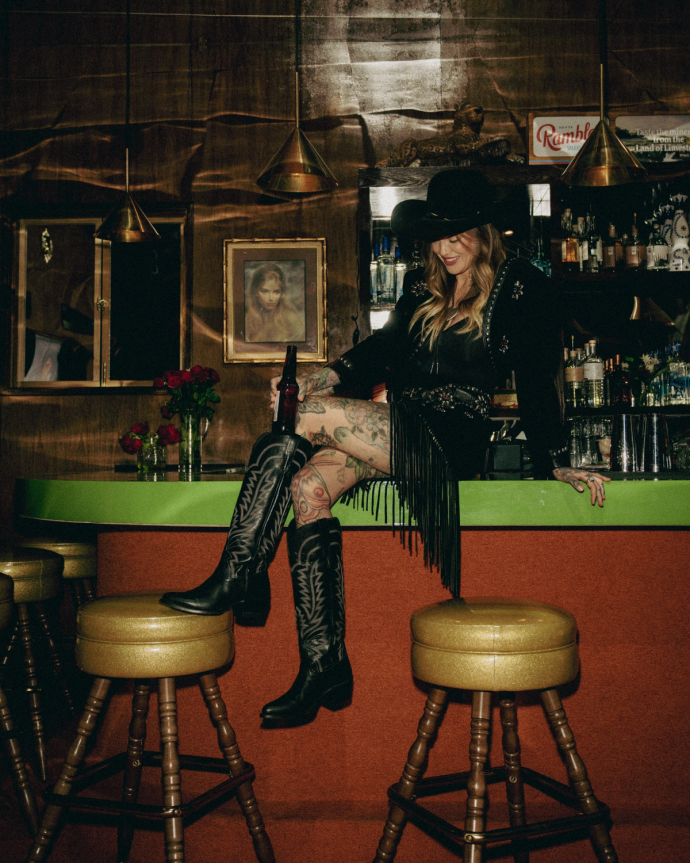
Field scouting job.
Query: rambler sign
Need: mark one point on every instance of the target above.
(555, 140)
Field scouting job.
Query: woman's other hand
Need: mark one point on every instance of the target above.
(581, 478)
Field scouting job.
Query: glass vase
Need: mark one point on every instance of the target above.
(151, 459)
(191, 439)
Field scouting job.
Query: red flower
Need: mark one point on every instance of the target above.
(126, 444)
(165, 410)
(168, 434)
(174, 382)
(212, 374)
(187, 377)
(137, 444)
(158, 383)
(140, 428)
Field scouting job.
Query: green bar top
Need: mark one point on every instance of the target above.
(120, 499)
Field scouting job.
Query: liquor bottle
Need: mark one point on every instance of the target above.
(582, 244)
(539, 261)
(621, 392)
(657, 250)
(608, 371)
(385, 274)
(285, 409)
(596, 251)
(635, 252)
(677, 376)
(574, 382)
(416, 262)
(569, 244)
(612, 250)
(594, 377)
(400, 270)
(373, 299)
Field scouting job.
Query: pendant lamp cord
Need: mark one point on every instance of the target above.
(298, 53)
(127, 72)
(603, 57)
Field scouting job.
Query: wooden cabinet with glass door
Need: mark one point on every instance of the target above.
(90, 313)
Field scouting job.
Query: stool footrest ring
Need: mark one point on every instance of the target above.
(439, 827)
(143, 811)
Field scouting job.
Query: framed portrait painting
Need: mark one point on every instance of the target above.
(274, 295)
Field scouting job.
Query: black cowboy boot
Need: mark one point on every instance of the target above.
(325, 676)
(241, 580)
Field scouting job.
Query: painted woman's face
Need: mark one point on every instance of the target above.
(269, 293)
(457, 253)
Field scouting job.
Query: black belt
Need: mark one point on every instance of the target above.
(450, 397)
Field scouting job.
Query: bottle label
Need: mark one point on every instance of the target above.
(574, 374)
(609, 257)
(594, 371)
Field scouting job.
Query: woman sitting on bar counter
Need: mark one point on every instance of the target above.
(463, 323)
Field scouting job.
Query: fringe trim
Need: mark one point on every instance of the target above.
(428, 497)
(427, 493)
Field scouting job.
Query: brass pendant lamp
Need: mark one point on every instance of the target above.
(603, 160)
(297, 168)
(127, 222)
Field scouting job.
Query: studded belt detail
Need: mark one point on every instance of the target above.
(470, 400)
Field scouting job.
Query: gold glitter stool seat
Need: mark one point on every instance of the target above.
(37, 577)
(134, 636)
(486, 645)
(80, 564)
(8, 733)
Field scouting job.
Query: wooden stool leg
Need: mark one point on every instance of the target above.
(133, 767)
(89, 588)
(87, 723)
(11, 645)
(170, 763)
(231, 752)
(416, 758)
(577, 774)
(515, 789)
(20, 778)
(475, 818)
(32, 689)
(54, 656)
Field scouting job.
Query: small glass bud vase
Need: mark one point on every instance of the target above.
(151, 458)
(191, 438)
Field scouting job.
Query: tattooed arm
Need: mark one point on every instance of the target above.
(594, 482)
(324, 379)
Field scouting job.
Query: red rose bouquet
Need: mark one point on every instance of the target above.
(190, 391)
(140, 435)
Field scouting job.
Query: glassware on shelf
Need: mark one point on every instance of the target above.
(655, 447)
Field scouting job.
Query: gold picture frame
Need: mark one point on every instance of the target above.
(274, 294)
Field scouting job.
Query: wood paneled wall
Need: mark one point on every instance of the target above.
(211, 101)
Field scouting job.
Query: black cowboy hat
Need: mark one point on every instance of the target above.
(456, 201)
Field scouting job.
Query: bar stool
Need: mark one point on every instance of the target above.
(20, 778)
(36, 574)
(134, 636)
(80, 564)
(485, 645)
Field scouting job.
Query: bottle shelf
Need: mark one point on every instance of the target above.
(632, 282)
(616, 410)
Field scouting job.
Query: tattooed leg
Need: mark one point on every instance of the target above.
(325, 478)
(359, 428)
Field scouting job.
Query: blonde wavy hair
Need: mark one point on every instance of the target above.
(433, 313)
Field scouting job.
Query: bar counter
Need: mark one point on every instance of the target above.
(622, 570)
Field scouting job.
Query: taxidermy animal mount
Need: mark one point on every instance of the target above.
(462, 147)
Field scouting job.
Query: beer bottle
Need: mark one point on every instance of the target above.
(285, 410)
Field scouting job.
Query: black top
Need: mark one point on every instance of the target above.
(518, 334)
